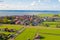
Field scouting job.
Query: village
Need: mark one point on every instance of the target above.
(28, 19)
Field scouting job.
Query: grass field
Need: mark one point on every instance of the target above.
(16, 27)
(48, 33)
(43, 15)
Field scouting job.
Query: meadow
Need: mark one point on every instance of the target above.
(49, 33)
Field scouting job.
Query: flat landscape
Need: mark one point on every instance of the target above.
(29, 19)
(48, 33)
(48, 30)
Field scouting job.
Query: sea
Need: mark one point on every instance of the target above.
(26, 12)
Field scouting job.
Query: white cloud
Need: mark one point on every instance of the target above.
(33, 6)
(59, 0)
(33, 3)
(12, 6)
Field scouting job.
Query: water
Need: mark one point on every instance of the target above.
(26, 12)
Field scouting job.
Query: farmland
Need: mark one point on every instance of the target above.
(49, 33)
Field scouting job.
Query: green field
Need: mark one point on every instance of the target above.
(48, 33)
(49, 15)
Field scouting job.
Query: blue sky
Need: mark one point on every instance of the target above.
(29, 4)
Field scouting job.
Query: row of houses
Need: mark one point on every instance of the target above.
(53, 18)
(29, 19)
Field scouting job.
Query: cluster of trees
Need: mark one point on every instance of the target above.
(7, 19)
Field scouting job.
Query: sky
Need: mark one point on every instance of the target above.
(29, 4)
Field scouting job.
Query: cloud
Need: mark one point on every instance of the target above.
(33, 3)
(12, 6)
(46, 0)
(26, 7)
(59, 0)
(39, 0)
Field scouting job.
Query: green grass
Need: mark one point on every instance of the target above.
(50, 34)
(46, 15)
(47, 33)
(17, 27)
(28, 33)
(50, 37)
(52, 23)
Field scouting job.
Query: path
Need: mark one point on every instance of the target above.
(17, 33)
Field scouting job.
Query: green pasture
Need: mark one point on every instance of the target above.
(52, 23)
(46, 15)
(48, 33)
(16, 27)
(28, 33)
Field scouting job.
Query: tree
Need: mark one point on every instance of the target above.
(5, 20)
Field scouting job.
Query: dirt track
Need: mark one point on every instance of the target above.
(39, 27)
